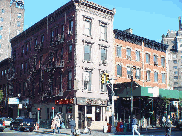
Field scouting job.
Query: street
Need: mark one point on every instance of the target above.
(64, 132)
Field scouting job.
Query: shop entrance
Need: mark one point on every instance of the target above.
(81, 117)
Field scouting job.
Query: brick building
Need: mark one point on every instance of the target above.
(149, 58)
(11, 24)
(59, 61)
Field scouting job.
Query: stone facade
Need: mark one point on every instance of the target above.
(174, 54)
(11, 24)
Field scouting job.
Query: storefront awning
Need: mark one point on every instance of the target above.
(124, 90)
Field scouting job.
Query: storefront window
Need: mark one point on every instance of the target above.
(89, 109)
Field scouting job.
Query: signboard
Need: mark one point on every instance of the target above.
(13, 101)
(91, 101)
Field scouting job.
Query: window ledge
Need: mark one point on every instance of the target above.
(103, 40)
(68, 90)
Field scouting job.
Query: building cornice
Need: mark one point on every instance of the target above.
(125, 36)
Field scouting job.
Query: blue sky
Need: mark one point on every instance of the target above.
(149, 19)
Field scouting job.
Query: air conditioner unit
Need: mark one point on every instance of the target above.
(104, 62)
(128, 57)
(155, 64)
(61, 64)
(19, 95)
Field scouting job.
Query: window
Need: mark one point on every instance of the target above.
(1, 28)
(62, 51)
(87, 30)
(71, 27)
(148, 75)
(62, 32)
(175, 77)
(175, 61)
(87, 52)
(0, 36)
(118, 51)
(87, 80)
(162, 61)
(61, 80)
(52, 35)
(128, 70)
(3, 11)
(1, 19)
(18, 23)
(70, 52)
(119, 70)
(155, 60)
(174, 56)
(103, 30)
(69, 80)
(22, 66)
(180, 45)
(155, 76)
(0, 45)
(42, 38)
(174, 67)
(175, 72)
(19, 15)
(163, 78)
(137, 55)
(138, 73)
(128, 52)
(103, 54)
(36, 43)
(147, 58)
(175, 83)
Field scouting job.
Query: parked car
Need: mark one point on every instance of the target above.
(22, 124)
(1, 126)
(179, 124)
(6, 121)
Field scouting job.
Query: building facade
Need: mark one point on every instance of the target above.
(143, 58)
(174, 53)
(59, 62)
(11, 24)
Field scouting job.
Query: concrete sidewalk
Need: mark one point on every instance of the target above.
(150, 130)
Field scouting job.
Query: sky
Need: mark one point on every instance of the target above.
(148, 18)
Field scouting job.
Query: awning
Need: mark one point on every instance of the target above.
(124, 90)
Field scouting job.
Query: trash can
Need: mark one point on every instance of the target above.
(105, 128)
(109, 128)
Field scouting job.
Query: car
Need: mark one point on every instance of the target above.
(1, 126)
(6, 121)
(22, 124)
(179, 124)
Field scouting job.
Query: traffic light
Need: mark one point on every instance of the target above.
(107, 78)
(103, 78)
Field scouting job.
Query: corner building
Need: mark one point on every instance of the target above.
(58, 62)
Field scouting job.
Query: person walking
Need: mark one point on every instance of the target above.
(134, 126)
(57, 118)
(168, 126)
(72, 124)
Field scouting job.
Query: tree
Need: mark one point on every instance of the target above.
(1, 95)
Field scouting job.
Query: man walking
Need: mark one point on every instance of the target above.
(134, 126)
(168, 126)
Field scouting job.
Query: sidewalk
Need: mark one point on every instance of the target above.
(63, 132)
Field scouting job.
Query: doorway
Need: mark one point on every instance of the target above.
(81, 117)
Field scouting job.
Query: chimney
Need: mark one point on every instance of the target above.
(180, 25)
(129, 30)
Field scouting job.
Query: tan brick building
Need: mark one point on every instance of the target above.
(146, 55)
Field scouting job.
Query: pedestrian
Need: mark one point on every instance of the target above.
(57, 118)
(134, 126)
(163, 121)
(72, 124)
(53, 125)
(168, 126)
